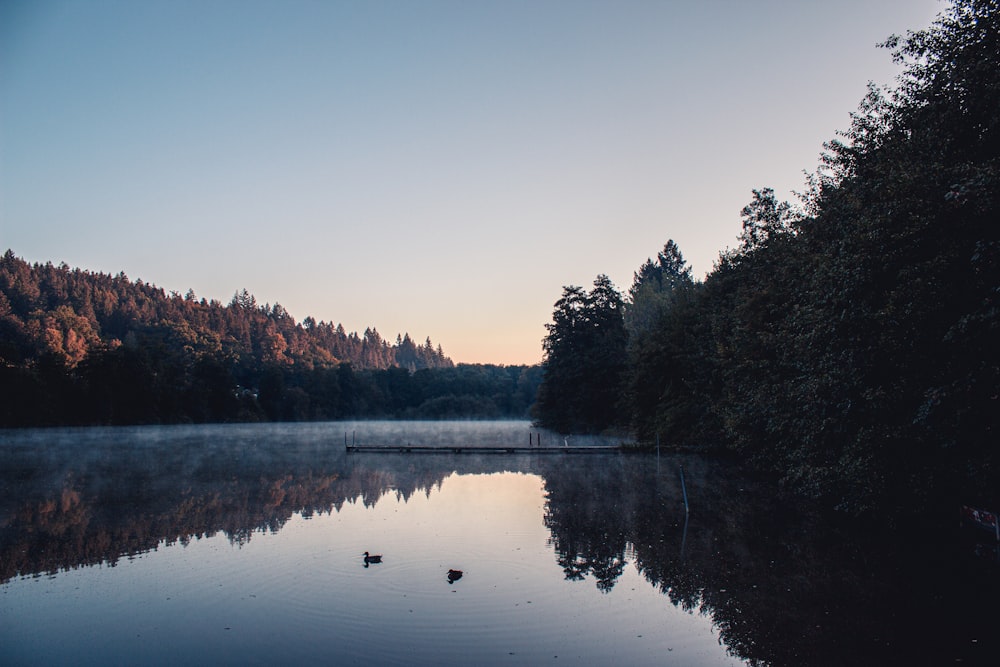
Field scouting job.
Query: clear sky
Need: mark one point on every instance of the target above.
(437, 168)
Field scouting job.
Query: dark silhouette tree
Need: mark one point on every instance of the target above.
(585, 352)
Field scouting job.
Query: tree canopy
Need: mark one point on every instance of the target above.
(848, 344)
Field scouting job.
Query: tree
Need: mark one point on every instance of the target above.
(653, 289)
(764, 220)
(585, 353)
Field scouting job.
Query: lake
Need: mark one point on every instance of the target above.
(243, 544)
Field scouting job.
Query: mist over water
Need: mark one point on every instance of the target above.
(244, 543)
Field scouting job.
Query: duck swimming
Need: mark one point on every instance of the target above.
(454, 575)
(372, 558)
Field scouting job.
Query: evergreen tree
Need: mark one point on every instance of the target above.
(654, 287)
(585, 352)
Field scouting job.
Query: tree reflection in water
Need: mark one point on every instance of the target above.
(784, 585)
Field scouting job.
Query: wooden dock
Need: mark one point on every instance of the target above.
(487, 449)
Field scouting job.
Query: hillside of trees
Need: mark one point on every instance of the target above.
(850, 344)
(78, 347)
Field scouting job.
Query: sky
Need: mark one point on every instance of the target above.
(437, 168)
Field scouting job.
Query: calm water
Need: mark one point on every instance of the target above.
(243, 545)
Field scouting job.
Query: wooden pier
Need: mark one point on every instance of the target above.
(486, 449)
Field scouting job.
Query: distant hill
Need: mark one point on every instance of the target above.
(69, 313)
(83, 348)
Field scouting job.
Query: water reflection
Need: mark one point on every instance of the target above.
(86, 496)
(781, 585)
(784, 586)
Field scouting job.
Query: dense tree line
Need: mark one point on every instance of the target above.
(78, 347)
(464, 391)
(849, 343)
(67, 313)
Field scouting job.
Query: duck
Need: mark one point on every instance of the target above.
(454, 575)
(372, 558)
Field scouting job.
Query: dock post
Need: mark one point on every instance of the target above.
(684, 536)
(684, 490)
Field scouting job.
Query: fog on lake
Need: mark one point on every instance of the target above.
(244, 544)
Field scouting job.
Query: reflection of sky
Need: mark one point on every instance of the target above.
(439, 167)
(303, 595)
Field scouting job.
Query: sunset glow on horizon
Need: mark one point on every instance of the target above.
(435, 168)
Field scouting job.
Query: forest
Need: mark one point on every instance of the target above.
(83, 348)
(849, 344)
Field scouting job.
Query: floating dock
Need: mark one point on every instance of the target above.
(485, 449)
